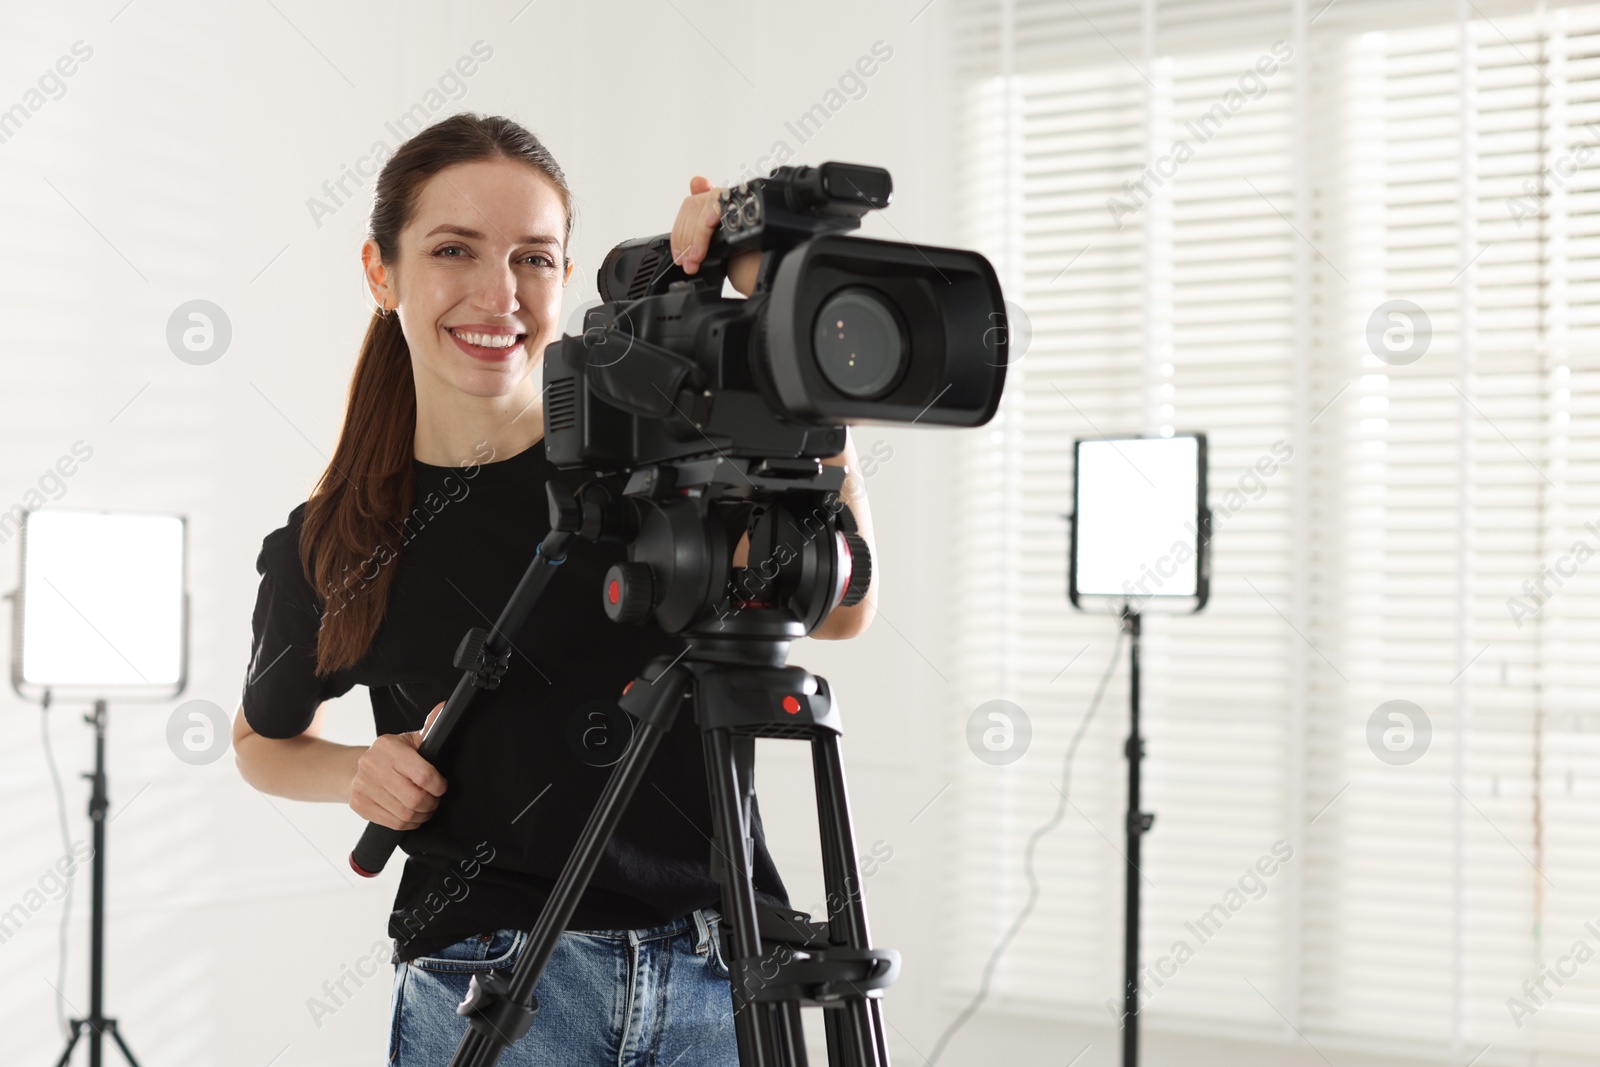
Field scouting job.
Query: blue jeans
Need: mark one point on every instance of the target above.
(657, 996)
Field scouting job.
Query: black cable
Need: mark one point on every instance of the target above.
(1027, 860)
(66, 843)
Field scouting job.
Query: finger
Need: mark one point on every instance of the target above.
(699, 183)
(699, 241)
(404, 800)
(694, 239)
(680, 234)
(410, 796)
(396, 756)
(376, 805)
(385, 788)
(689, 260)
(420, 772)
(414, 737)
(432, 715)
(679, 240)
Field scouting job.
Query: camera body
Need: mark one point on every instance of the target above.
(839, 330)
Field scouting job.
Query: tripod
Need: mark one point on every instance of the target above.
(741, 690)
(680, 522)
(96, 1022)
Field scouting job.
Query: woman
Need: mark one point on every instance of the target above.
(418, 530)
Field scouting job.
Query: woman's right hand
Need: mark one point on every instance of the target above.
(699, 215)
(393, 786)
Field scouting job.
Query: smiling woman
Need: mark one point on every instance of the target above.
(467, 258)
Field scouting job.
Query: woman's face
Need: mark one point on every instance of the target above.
(479, 276)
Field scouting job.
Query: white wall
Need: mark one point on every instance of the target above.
(178, 164)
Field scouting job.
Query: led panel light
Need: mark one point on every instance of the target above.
(102, 603)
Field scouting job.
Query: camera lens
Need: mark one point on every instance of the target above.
(860, 348)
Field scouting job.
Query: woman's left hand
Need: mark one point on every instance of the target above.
(691, 236)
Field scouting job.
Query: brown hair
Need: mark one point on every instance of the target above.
(358, 506)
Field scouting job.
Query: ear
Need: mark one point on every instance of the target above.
(377, 275)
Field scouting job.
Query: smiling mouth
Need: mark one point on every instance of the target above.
(488, 347)
(488, 340)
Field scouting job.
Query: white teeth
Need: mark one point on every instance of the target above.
(487, 340)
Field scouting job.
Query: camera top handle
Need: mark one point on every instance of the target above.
(775, 213)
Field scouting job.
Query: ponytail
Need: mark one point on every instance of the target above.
(349, 540)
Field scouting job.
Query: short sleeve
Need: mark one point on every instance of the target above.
(281, 689)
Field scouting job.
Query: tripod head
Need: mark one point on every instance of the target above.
(681, 522)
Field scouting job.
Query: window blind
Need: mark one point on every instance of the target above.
(1206, 213)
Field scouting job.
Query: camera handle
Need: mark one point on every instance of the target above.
(482, 657)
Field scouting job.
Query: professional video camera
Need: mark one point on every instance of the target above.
(731, 402)
(839, 330)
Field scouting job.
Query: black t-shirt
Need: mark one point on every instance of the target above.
(522, 765)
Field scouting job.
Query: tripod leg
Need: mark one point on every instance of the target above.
(855, 1031)
(116, 1035)
(654, 705)
(770, 1033)
(72, 1043)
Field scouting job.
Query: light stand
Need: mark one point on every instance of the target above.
(1141, 532)
(96, 1022)
(1138, 824)
(101, 612)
